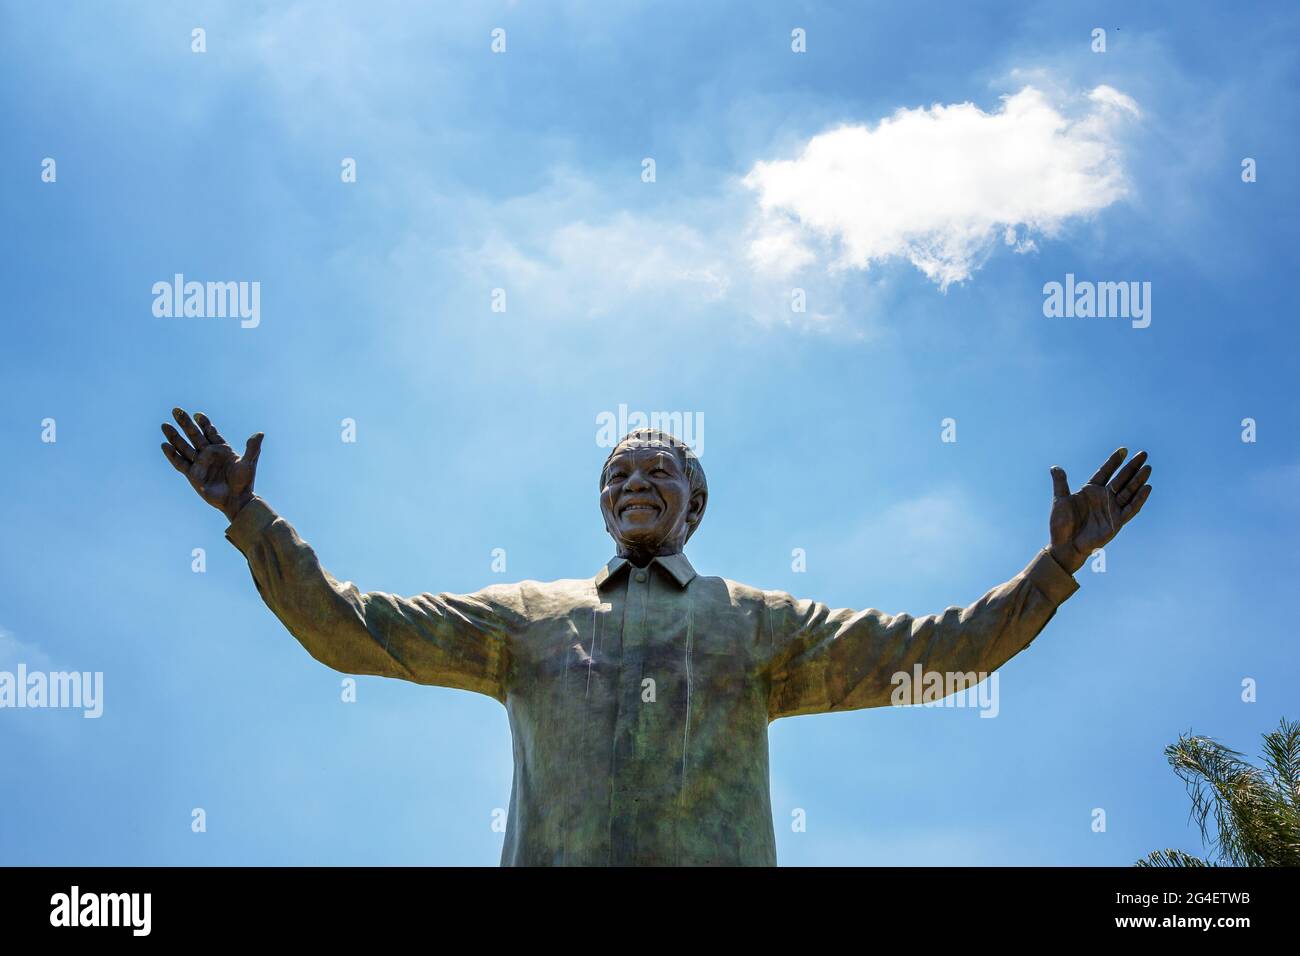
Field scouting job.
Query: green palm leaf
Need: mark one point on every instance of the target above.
(1247, 815)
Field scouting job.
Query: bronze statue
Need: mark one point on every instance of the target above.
(639, 698)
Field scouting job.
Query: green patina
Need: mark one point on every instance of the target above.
(639, 699)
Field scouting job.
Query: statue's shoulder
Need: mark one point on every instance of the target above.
(737, 592)
(531, 593)
(746, 594)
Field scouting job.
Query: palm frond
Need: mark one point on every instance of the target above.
(1247, 816)
(1282, 757)
(1225, 794)
(1171, 858)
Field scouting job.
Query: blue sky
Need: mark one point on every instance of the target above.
(523, 170)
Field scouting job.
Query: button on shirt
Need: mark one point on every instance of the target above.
(638, 699)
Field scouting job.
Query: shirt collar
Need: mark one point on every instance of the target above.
(674, 565)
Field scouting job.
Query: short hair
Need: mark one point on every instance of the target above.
(690, 462)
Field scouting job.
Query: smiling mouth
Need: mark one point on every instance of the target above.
(638, 506)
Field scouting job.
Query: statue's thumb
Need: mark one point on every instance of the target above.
(1060, 485)
(253, 448)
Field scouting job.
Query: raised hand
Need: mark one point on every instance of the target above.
(222, 478)
(1086, 520)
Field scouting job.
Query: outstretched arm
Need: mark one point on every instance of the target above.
(829, 660)
(449, 640)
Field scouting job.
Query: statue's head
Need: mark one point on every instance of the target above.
(652, 494)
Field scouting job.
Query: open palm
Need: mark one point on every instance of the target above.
(1086, 520)
(222, 478)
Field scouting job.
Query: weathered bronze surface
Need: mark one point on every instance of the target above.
(639, 698)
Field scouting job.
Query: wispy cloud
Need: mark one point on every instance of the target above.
(926, 532)
(594, 267)
(14, 652)
(941, 187)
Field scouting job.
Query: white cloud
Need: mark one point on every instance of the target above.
(940, 186)
(943, 187)
(687, 259)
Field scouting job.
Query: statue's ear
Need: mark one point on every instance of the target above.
(695, 511)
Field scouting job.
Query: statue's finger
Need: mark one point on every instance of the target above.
(1134, 485)
(191, 430)
(253, 448)
(177, 442)
(179, 463)
(1108, 467)
(1126, 473)
(1129, 512)
(1060, 484)
(209, 430)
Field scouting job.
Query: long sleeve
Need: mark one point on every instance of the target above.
(830, 660)
(460, 641)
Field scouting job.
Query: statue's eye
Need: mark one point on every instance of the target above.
(617, 476)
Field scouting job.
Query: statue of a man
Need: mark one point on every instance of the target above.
(639, 698)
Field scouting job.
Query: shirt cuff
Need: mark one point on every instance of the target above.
(1053, 581)
(253, 519)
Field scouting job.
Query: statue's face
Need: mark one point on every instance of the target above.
(646, 500)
